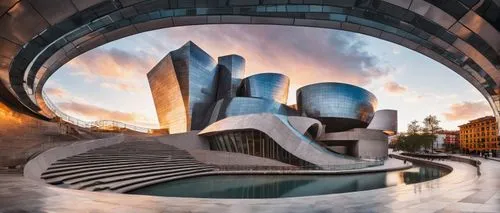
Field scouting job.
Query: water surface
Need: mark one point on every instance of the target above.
(278, 186)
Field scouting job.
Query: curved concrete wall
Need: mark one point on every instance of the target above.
(187, 141)
(302, 124)
(228, 159)
(281, 131)
(385, 120)
(38, 38)
(22, 136)
(35, 167)
(367, 143)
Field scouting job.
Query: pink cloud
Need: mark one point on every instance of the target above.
(92, 112)
(394, 87)
(56, 91)
(111, 63)
(122, 86)
(467, 111)
(306, 55)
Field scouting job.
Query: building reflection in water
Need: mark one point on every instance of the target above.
(277, 186)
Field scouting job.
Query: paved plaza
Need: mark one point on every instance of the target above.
(460, 191)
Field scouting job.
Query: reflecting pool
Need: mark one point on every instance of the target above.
(279, 186)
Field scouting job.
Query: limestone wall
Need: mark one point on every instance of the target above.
(22, 136)
(20, 133)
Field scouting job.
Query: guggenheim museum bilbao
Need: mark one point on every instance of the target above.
(331, 124)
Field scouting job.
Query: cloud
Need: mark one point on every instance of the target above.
(306, 55)
(122, 86)
(467, 111)
(56, 92)
(92, 112)
(394, 87)
(112, 63)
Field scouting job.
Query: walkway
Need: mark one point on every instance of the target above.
(460, 191)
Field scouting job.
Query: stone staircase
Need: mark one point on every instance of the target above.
(125, 166)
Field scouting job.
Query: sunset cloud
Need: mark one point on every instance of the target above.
(92, 112)
(122, 86)
(467, 111)
(394, 87)
(306, 55)
(56, 92)
(112, 63)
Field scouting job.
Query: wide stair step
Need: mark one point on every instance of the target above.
(123, 183)
(123, 166)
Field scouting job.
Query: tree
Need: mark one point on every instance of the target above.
(431, 126)
(414, 128)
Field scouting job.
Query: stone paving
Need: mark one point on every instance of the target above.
(460, 191)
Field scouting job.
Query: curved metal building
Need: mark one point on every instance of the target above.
(337, 105)
(273, 86)
(231, 71)
(184, 87)
(247, 105)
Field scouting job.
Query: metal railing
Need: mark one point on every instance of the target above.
(338, 167)
(101, 125)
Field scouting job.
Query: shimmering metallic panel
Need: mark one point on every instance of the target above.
(402, 3)
(461, 31)
(4, 70)
(266, 20)
(54, 11)
(184, 87)
(126, 3)
(484, 29)
(213, 19)
(236, 19)
(245, 105)
(202, 79)
(334, 102)
(84, 4)
(370, 31)
(273, 86)
(432, 12)
(180, 21)
(477, 57)
(21, 14)
(488, 10)
(317, 23)
(167, 96)
(155, 24)
(5, 5)
(231, 71)
(120, 33)
(8, 49)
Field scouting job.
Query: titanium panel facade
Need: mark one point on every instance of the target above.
(231, 71)
(339, 106)
(272, 86)
(248, 105)
(184, 86)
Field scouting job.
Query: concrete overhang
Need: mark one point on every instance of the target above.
(37, 37)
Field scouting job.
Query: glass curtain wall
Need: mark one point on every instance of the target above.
(256, 143)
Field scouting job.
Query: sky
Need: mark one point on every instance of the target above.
(110, 82)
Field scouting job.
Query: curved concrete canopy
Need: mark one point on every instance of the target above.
(279, 128)
(37, 36)
(385, 120)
